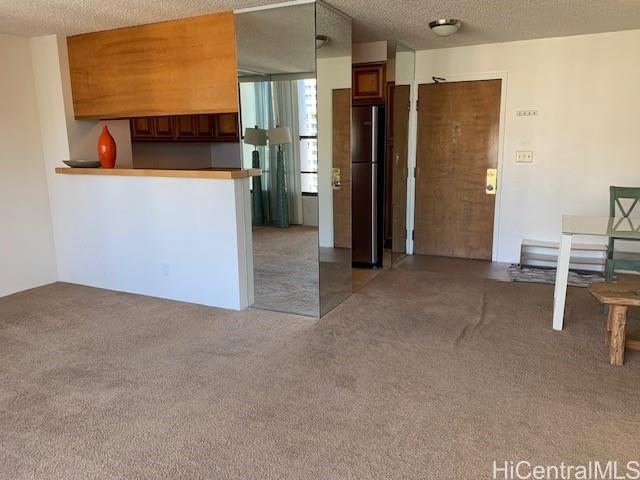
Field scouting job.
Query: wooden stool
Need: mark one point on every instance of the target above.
(619, 296)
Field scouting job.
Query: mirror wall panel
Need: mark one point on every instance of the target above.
(404, 77)
(333, 66)
(279, 127)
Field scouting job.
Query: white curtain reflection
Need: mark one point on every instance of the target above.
(280, 103)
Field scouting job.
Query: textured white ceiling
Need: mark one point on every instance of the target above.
(277, 40)
(282, 41)
(485, 21)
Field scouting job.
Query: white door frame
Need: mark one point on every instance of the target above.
(413, 147)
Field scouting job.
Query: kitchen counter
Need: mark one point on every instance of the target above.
(220, 174)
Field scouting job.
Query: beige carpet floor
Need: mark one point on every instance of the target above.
(285, 266)
(417, 376)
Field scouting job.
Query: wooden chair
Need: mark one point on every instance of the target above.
(618, 296)
(621, 261)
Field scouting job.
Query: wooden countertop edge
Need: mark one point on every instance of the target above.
(145, 172)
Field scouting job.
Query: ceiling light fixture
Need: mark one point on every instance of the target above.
(321, 40)
(445, 26)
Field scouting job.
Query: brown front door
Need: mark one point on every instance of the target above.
(458, 128)
(341, 152)
(399, 159)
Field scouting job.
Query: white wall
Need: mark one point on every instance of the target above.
(332, 73)
(310, 210)
(369, 52)
(186, 155)
(226, 155)
(27, 256)
(171, 155)
(62, 136)
(584, 138)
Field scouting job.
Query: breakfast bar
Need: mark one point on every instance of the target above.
(176, 234)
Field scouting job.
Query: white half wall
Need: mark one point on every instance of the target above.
(332, 73)
(27, 256)
(177, 238)
(584, 138)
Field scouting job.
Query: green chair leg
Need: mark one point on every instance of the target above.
(609, 273)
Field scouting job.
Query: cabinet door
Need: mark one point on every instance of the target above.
(141, 127)
(185, 126)
(205, 128)
(369, 82)
(226, 127)
(164, 127)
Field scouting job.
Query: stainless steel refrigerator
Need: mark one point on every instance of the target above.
(367, 159)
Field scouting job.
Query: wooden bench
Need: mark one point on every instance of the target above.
(619, 296)
(584, 256)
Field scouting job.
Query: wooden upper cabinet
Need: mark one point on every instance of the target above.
(185, 126)
(125, 72)
(221, 127)
(164, 127)
(226, 127)
(369, 83)
(142, 127)
(205, 126)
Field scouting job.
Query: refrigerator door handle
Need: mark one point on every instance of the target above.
(374, 184)
(374, 134)
(374, 213)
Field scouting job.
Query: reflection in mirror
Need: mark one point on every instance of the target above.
(333, 41)
(276, 68)
(404, 74)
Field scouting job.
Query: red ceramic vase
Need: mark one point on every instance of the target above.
(106, 149)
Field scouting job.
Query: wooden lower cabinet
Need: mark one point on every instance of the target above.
(222, 127)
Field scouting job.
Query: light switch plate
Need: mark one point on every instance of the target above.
(524, 156)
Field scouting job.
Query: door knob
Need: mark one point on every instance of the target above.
(335, 178)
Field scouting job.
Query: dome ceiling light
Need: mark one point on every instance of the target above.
(445, 26)
(321, 41)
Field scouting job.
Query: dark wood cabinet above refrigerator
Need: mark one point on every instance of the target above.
(369, 83)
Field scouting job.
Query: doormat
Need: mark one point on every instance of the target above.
(520, 273)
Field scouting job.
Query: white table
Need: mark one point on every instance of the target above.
(619, 227)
